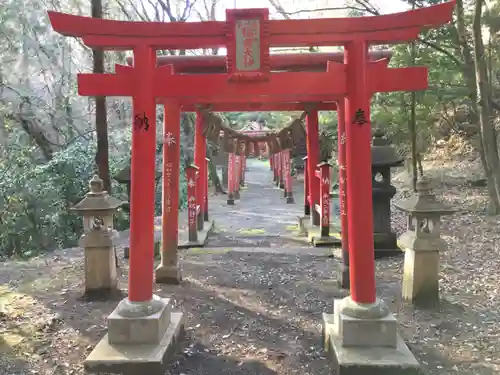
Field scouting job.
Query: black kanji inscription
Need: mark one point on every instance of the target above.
(141, 122)
(359, 117)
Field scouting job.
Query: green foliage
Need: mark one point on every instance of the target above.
(35, 200)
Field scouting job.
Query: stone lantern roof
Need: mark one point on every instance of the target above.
(424, 202)
(383, 154)
(123, 176)
(97, 201)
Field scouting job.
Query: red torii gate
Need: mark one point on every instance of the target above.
(146, 81)
(248, 35)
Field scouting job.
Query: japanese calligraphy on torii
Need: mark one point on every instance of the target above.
(248, 45)
(169, 139)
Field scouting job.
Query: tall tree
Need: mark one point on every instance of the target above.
(101, 121)
(485, 100)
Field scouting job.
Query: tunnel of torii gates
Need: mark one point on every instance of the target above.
(248, 35)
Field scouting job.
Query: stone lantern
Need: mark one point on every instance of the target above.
(384, 157)
(422, 243)
(98, 209)
(123, 177)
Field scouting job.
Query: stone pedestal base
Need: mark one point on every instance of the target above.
(100, 263)
(345, 278)
(230, 199)
(289, 198)
(363, 340)
(137, 343)
(168, 275)
(386, 245)
(317, 240)
(315, 217)
(420, 277)
(199, 221)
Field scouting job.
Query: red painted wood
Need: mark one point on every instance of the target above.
(230, 176)
(381, 79)
(324, 183)
(307, 207)
(287, 171)
(342, 139)
(205, 207)
(143, 170)
(279, 157)
(279, 62)
(261, 107)
(312, 144)
(170, 198)
(237, 178)
(200, 154)
(264, 66)
(180, 35)
(192, 177)
(359, 178)
(184, 87)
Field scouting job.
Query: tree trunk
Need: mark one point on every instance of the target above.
(468, 70)
(212, 174)
(484, 105)
(101, 122)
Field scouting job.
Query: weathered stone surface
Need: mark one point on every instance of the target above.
(369, 345)
(421, 277)
(139, 323)
(100, 262)
(141, 359)
(356, 326)
(168, 275)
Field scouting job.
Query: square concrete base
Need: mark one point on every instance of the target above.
(315, 238)
(367, 360)
(184, 242)
(138, 330)
(137, 359)
(168, 275)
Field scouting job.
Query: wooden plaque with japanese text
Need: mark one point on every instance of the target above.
(248, 44)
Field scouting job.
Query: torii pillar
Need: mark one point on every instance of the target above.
(168, 271)
(312, 145)
(200, 154)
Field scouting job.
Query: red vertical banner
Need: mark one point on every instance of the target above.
(205, 205)
(359, 175)
(279, 159)
(324, 181)
(307, 206)
(142, 176)
(243, 169)
(287, 173)
(342, 141)
(230, 179)
(275, 168)
(191, 177)
(170, 178)
(200, 154)
(312, 143)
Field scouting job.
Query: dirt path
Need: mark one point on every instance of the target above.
(261, 218)
(254, 299)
